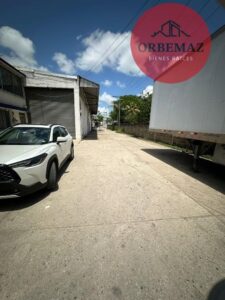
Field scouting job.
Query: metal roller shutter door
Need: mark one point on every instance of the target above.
(49, 108)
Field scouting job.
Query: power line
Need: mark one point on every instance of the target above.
(204, 6)
(134, 81)
(201, 9)
(109, 51)
(137, 82)
(188, 2)
(214, 11)
(116, 39)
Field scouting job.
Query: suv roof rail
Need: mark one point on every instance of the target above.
(31, 124)
(51, 125)
(19, 124)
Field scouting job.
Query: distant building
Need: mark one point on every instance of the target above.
(13, 106)
(34, 96)
(62, 99)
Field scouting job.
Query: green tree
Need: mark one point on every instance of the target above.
(145, 109)
(132, 112)
(100, 117)
(132, 109)
(114, 113)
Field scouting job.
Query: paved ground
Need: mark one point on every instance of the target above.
(130, 221)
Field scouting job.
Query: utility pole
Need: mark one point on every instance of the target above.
(119, 114)
(118, 106)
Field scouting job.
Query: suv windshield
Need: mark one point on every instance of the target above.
(25, 136)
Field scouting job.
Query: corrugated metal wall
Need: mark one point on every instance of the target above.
(49, 106)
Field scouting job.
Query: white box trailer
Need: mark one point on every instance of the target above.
(195, 109)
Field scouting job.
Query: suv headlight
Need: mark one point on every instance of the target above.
(30, 162)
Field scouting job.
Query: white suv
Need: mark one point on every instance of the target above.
(31, 156)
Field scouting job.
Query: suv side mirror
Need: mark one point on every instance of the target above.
(61, 139)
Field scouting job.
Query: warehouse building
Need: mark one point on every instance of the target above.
(57, 98)
(13, 106)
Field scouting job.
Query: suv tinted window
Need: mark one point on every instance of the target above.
(56, 133)
(63, 131)
(25, 136)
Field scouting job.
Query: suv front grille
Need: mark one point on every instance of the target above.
(8, 175)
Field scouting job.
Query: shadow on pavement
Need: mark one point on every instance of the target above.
(218, 291)
(93, 135)
(23, 202)
(29, 200)
(210, 173)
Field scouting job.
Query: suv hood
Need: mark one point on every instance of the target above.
(14, 153)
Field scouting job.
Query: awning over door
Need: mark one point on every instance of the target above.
(91, 91)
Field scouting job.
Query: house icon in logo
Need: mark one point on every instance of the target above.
(170, 29)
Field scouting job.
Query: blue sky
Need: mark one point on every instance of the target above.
(73, 37)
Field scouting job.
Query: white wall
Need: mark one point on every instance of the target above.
(48, 80)
(85, 116)
(198, 104)
(12, 99)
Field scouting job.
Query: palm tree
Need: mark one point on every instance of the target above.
(132, 111)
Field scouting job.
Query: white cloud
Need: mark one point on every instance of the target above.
(78, 37)
(147, 91)
(21, 48)
(104, 110)
(98, 55)
(107, 98)
(106, 82)
(120, 84)
(41, 68)
(65, 64)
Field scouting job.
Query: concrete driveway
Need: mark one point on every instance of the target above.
(130, 221)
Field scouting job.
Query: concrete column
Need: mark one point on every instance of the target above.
(77, 109)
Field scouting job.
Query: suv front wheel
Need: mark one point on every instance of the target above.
(52, 176)
(71, 157)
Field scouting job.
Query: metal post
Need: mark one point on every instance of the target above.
(119, 114)
(197, 151)
(77, 109)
